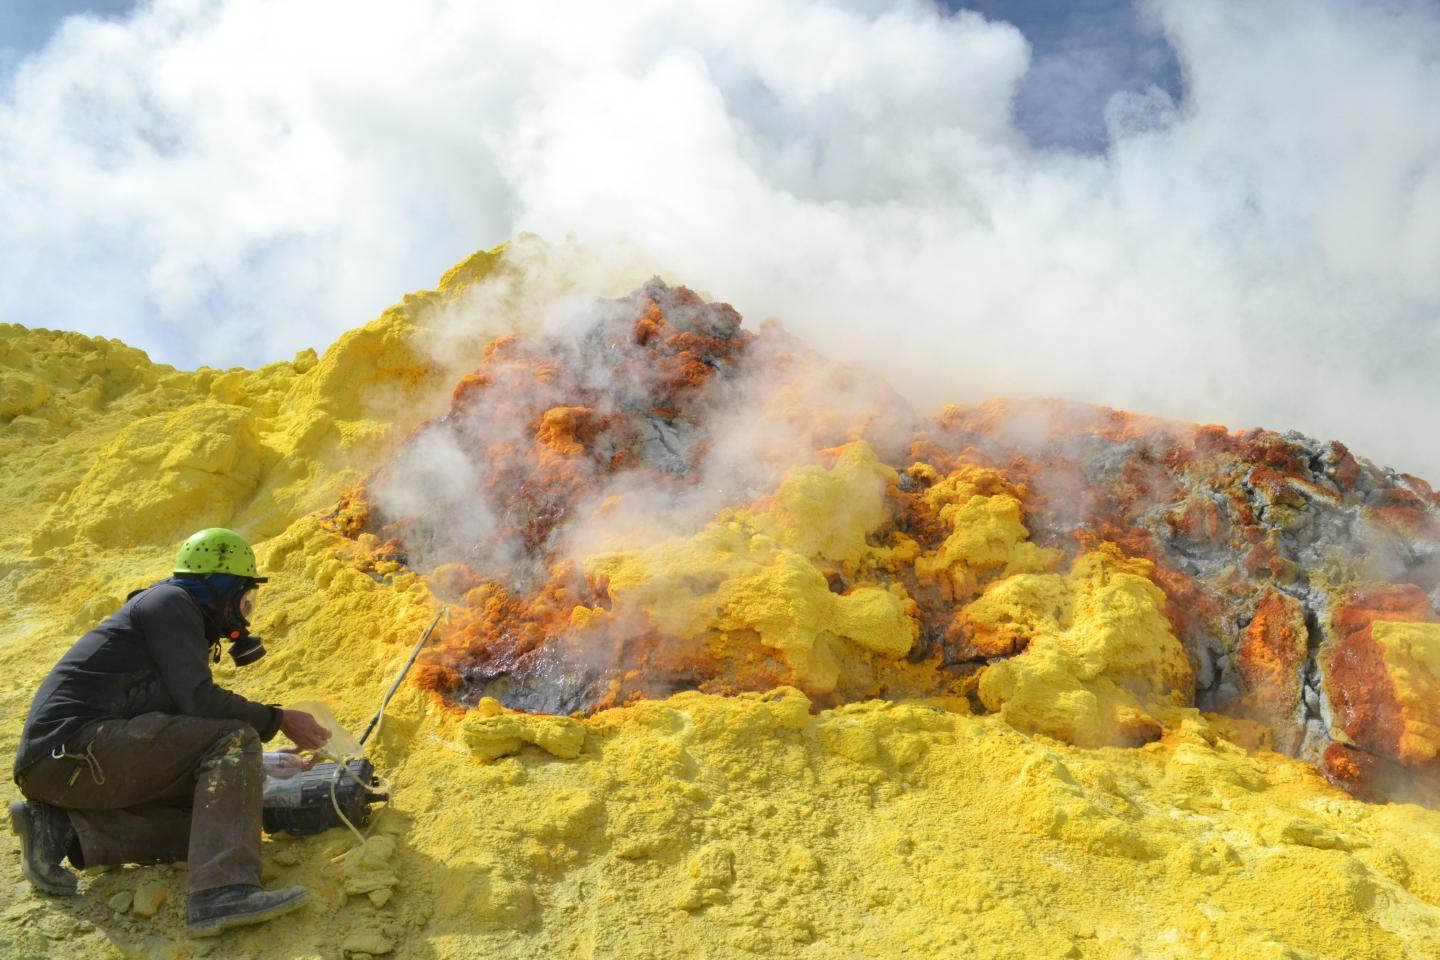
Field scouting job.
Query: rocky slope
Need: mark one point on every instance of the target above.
(856, 550)
(748, 658)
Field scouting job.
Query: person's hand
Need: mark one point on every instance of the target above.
(306, 762)
(307, 732)
(282, 764)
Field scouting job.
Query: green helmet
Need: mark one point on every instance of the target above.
(217, 550)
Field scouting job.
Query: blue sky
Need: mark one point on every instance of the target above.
(26, 25)
(1084, 51)
(1005, 198)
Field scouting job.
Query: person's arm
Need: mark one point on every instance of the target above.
(174, 633)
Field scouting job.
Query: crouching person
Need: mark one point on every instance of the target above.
(132, 754)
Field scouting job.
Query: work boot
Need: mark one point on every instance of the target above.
(210, 911)
(45, 837)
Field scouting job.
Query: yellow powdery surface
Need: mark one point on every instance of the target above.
(1412, 658)
(100, 447)
(695, 826)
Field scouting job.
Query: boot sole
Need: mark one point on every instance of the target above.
(21, 826)
(209, 928)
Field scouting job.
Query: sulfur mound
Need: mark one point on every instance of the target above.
(1101, 665)
(746, 658)
(755, 572)
(490, 732)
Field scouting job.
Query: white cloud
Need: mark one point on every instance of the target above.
(229, 181)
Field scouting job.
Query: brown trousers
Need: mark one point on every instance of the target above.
(161, 787)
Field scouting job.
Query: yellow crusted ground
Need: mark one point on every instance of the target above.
(696, 826)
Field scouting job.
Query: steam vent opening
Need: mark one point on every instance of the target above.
(650, 498)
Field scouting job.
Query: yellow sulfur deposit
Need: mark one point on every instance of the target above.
(696, 825)
(757, 570)
(987, 534)
(827, 514)
(1103, 665)
(490, 731)
(1412, 657)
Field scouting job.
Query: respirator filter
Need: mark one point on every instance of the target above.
(246, 648)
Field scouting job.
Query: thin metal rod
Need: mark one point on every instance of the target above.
(400, 679)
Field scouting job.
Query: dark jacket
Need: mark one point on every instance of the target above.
(152, 655)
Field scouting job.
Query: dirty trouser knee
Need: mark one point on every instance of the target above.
(162, 787)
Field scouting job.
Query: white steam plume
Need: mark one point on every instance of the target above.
(229, 181)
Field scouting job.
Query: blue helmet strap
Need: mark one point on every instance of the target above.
(209, 588)
(215, 591)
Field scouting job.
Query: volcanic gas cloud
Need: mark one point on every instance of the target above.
(650, 498)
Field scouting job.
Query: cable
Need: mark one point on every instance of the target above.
(342, 766)
(342, 763)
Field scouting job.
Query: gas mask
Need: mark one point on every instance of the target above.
(245, 648)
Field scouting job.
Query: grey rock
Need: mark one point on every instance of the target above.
(669, 445)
